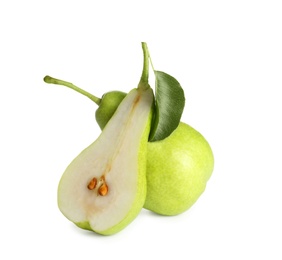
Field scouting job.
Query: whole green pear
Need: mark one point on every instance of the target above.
(178, 169)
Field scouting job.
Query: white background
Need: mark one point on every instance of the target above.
(227, 55)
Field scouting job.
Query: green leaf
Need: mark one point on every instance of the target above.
(170, 102)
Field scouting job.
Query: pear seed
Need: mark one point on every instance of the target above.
(103, 190)
(92, 184)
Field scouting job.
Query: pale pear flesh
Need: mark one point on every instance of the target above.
(104, 187)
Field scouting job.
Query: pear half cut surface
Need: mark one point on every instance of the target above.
(104, 187)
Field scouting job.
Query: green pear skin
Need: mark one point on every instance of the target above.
(178, 169)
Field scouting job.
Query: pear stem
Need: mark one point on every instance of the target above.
(144, 81)
(51, 80)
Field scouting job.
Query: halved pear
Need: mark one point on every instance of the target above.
(104, 187)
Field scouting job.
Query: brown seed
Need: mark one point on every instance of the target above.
(92, 184)
(103, 190)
